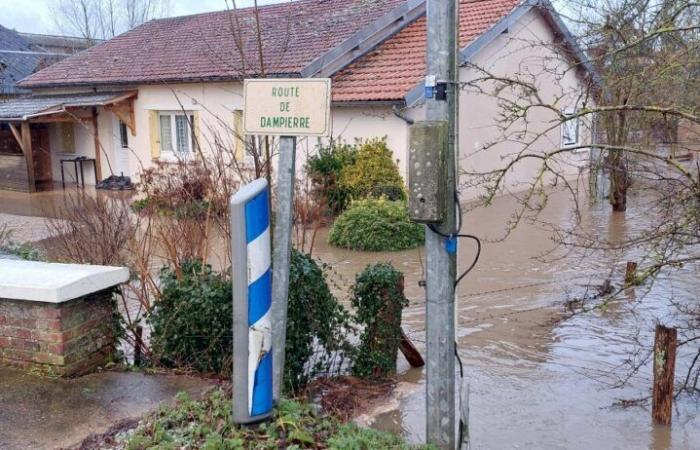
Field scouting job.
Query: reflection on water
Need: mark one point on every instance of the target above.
(538, 380)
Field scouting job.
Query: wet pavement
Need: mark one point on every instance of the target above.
(43, 413)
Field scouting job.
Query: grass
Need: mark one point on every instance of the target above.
(206, 424)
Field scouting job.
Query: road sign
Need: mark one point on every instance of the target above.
(287, 107)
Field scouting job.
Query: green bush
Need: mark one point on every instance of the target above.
(314, 317)
(376, 225)
(373, 174)
(192, 319)
(378, 299)
(324, 168)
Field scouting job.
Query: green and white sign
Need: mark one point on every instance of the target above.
(287, 107)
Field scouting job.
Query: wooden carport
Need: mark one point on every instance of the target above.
(22, 116)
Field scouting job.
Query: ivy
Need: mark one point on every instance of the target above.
(379, 300)
(316, 325)
(192, 319)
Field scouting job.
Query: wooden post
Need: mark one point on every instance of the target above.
(410, 352)
(138, 346)
(28, 154)
(98, 156)
(631, 274)
(665, 343)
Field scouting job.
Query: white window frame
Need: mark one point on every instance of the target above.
(173, 154)
(569, 113)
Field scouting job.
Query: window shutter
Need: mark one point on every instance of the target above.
(238, 135)
(154, 133)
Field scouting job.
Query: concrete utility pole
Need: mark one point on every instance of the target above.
(441, 263)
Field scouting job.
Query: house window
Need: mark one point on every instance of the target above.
(176, 137)
(66, 134)
(123, 135)
(570, 129)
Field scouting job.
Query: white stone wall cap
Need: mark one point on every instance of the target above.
(55, 283)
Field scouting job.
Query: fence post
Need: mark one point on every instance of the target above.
(138, 346)
(631, 274)
(664, 373)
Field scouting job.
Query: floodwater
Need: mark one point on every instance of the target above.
(539, 379)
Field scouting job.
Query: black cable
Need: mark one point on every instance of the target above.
(457, 235)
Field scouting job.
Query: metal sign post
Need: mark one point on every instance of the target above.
(285, 108)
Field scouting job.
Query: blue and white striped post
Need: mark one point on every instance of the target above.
(252, 298)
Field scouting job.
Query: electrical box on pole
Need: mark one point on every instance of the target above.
(427, 171)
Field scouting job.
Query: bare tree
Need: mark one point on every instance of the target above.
(104, 19)
(647, 57)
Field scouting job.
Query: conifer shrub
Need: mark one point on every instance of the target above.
(375, 226)
(373, 174)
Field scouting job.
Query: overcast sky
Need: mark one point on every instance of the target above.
(33, 16)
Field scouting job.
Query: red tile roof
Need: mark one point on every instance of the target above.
(398, 65)
(202, 47)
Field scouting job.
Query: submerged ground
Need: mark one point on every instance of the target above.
(538, 378)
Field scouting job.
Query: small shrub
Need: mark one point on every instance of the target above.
(192, 319)
(182, 189)
(378, 299)
(373, 174)
(314, 317)
(324, 169)
(375, 226)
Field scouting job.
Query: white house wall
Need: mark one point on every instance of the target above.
(521, 52)
(518, 51)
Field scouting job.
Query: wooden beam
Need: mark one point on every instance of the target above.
(28, 154)
(132, 116)
(98, 146)
(18, 136)
(125, 112)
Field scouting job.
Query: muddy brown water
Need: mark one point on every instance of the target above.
(537, 381)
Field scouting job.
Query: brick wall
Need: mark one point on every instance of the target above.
(66, 339)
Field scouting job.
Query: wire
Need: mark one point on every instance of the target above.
(457, 234)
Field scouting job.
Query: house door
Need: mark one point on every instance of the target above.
(41, 151)
(121, 150)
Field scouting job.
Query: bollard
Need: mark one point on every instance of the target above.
(664, 374)
(252, 295)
